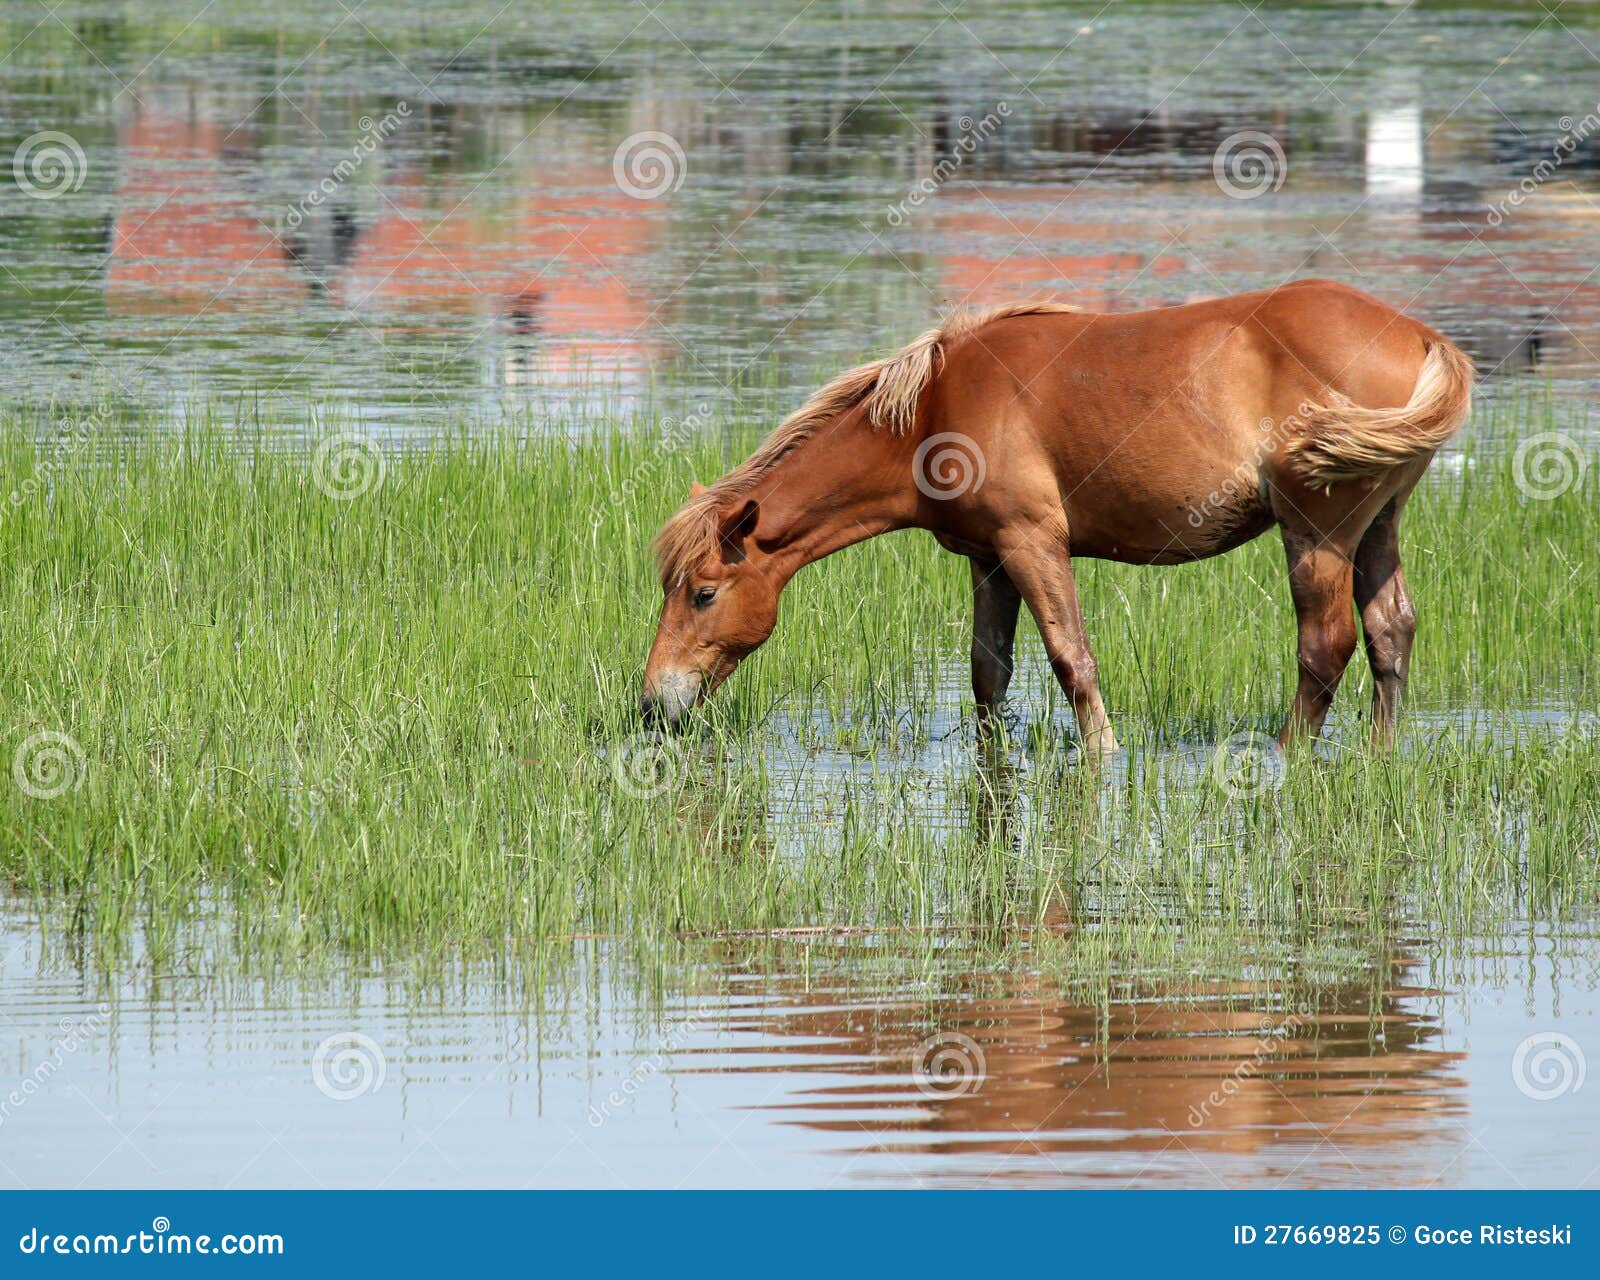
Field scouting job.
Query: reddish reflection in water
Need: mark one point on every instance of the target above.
(1033, 241)
(1520, 295)
(1224, 1083)
(550, 272)
(533, 255)
(184, 238)
(556, 268)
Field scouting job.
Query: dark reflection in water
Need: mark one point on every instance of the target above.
(1012, 1076)
(447, 218)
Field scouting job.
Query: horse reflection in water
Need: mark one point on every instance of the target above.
(979, 1074)
(1218, 1083)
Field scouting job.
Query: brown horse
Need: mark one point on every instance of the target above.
(1026, 435)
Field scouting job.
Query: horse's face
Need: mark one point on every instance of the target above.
(723, 608)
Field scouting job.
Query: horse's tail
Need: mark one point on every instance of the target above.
(1343, 441)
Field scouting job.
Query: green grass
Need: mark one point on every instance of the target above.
(393, 724)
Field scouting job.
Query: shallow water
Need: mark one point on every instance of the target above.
(484, 243)
(925, 753)
(484, 258)
(1369, 1052)
(819, 1061)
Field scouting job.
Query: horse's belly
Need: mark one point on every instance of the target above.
(1140, 520)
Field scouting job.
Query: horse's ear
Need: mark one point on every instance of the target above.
(738, 525)
(696, 488)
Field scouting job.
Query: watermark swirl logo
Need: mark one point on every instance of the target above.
(1247, 764)
(48, 764)
(649, 165)
(646, 766)
(161, 1224)
(1249, 164)
(1548, 1065)
(948, 1065)
(49, 165)
(348, 1065)
(1545, 466)
(347, 465)
(948, 465)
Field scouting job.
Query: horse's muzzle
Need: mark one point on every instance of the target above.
(668, 698)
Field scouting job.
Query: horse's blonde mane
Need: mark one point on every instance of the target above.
(888, 389)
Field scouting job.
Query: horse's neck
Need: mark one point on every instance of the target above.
(846, 483)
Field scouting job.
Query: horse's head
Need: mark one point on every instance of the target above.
(719, 601)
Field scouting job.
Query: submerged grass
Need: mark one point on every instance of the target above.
(404, 720)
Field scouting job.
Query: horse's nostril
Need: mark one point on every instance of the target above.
(670, 697)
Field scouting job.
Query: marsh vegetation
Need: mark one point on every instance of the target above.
(378, 702)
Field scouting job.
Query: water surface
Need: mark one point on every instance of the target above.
(425, 212)
(814, 1061)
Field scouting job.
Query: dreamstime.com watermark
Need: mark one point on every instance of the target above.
(647, 765)
(347, 464)
(1248, 164)
(72, 436)
(160, 1241)
(48, 764)
(1547, 465)
(1245, 479)
(73, 1035)
(948, 1065)
(1247, 764)
(676, 434)
(1269, 1045)
(649, 164)
(621, 1096)
(948, 465)
(1574, 133)
(970, 134)
(372, 133)
(349, 1065)
(1548, 1065)
(48, 165)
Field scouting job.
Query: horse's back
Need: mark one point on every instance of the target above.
(1161, 431)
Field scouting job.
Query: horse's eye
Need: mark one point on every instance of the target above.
(704, 596)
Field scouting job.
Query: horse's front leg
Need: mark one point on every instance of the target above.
(1039, 561)
(995, 604)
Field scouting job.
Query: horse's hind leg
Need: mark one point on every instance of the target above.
(995, 604)
(1320, 582)
(1387, 618)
